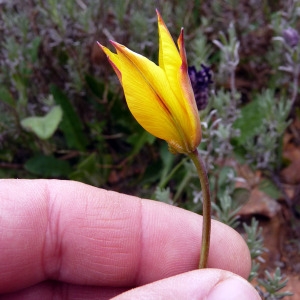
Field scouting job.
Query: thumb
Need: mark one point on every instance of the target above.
(208, 284)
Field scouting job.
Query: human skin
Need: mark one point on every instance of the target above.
(67, 240)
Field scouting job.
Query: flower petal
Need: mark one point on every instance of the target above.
(114, 61)
(144, 86)
(154, 75)
(169, 58)
(188, 95)
(174, 67)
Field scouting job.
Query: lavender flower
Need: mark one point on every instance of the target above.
(291, 37)
(200, 82)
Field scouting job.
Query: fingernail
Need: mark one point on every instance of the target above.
(233, 288)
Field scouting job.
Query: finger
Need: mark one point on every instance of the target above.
(208, 284)
(57, 290)
(83, 235)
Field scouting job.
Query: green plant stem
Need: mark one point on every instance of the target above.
(186, 179)
(201, 170)
(166, 179)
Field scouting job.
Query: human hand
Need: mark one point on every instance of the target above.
(68, 240)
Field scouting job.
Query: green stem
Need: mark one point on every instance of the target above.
(201, 170)
(186, 179)
(165, 180)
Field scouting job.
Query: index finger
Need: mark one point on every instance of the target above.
(72, 232)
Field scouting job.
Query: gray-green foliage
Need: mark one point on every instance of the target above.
(163, 195)
(229, 52)
(225, 210)
(268, 285)
(254, 240)
(262, 124)
(272, 284)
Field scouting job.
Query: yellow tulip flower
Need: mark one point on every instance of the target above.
(160, 97)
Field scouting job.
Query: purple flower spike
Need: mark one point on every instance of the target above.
(200, 81)
(291, 37)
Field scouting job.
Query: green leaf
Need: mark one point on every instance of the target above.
(47, 166)
(89, 164)
(250, 122)
(21, 84)
(168, 159)
(34, 48)
(6, 97)
(163, 195)
(268, 187)
(224, 179)
(45, 126)
(95, 85)
(71, 124)
(240, 196)
(90, 171)
(139, 140)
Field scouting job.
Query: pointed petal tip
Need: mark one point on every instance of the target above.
(102, 46)
(180, 42)
(116, 44)
(181, 35)
(159, 17)
(111, 41)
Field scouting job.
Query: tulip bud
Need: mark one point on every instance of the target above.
(160, 97)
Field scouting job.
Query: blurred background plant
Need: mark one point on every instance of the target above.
(63, 114)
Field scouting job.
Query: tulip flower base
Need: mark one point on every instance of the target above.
(161, 99)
